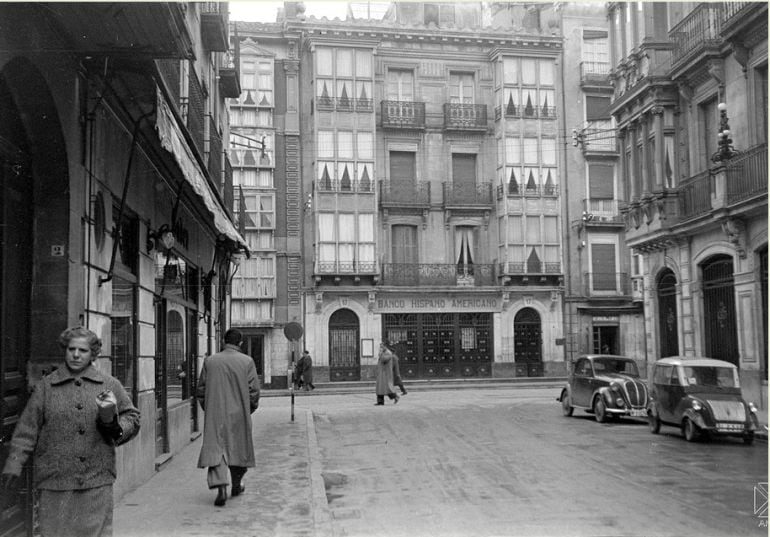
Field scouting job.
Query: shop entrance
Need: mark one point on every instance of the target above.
(721, 332)
(527, 337)
(344, 356)
(435, 345)
(605, 340)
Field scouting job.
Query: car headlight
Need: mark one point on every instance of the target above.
(696, 405)
(753, 408)
(619, 401)
(614, 387)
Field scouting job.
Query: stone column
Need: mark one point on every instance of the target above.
(645, 156)
(660, 148)
(634, 181)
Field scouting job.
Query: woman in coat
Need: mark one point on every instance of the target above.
(73, 420)
(384, 385)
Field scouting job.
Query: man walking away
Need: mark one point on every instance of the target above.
(397, 371)
(305, 366)
(228, 390)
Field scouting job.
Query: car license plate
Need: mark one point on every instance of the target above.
(638, 413)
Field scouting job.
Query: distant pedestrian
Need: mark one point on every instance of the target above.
(305, 371)
(228, 390)
(384, 385)
(397, 373)
(74, 473)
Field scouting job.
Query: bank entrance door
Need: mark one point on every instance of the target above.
(527, 338)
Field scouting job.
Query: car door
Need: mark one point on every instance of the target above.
(581, 383)
(675, 394)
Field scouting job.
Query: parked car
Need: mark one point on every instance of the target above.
(700, 396)
(605, 385)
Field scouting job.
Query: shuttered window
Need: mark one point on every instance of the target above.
(463, 169)
(597, 108)
(404, 244)
(600, 182)
(402, 167)
(603, 267)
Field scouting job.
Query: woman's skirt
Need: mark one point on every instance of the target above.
(76, 513)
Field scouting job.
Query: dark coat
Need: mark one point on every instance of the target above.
(228, 390)
(305, 369)
(71, 449)
(384, 384)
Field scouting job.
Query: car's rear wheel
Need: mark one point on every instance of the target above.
(748, 438)
(690, 430)
(600, 410)
(566, 407)
(654, 422)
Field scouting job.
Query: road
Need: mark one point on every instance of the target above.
(505, 462)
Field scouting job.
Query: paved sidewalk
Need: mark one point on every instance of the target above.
(284, 494)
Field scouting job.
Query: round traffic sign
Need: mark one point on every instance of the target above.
(293, 331)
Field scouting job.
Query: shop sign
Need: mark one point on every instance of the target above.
(606, 319)
(437, 304)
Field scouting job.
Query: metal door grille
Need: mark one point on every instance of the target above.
(719, 310)
(527, 337)
(344, 361)
(667, 318)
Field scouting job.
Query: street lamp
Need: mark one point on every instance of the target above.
(725, 151)
(264, 158)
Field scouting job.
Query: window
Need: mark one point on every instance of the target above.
(528, 88)
(255, 278)
(603, 267)
(760, 100)
(709, 123)
(596, 53)
(464, 169)
(465, 249)
(400, 85)
(123, 333)
(345, 243)
(404, 244)
(440, 15)
(260, 210)
(601, 181)
(343, 79)
(402, 168)
(346, 161)
(128, 240)
(461, 88)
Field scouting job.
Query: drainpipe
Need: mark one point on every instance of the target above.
(566, 305)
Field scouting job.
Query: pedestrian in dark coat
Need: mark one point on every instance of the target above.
(74, 418)
(384, 384)
(397, 372)
(305, 371)
(228, 390)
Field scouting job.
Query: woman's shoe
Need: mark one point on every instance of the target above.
(221, 496)
(396, 399)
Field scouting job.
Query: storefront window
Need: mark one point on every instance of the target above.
(122, 351)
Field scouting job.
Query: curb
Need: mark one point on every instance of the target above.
(322, 519)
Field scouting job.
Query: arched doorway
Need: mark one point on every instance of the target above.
(720, 331)
(344, 355)
(33, 196)
(667, 318)
(527, 337)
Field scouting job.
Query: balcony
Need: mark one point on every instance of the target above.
(519, 111)
(747, 175)
(695, 196)
(530, 268)
(345, 185)
(606, 284)
(403, 194)
(738, 17)
(467, 196)
(214, 26)
(437, 274)
(193, 110)
(344, 105)
(154, 30)
(595, 74)
(465, 117)
(602, 213)
(697, 34)
(230, 74)
(340, 268)
(228, 194)
(403, 115)
(513, 190)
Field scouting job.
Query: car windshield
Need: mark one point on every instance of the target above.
(717, 377)
(603, 366)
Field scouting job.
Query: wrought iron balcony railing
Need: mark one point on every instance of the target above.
(214, 26)
(595, 73)
(530, 268)
(601, 211)
(471, 117)
(344, 105)
(230, 74)
(514, 190)
(345, 185)
(404, 194)
(606, 284)
(467, 195)
(403, 114)
(747, 174)
(525, 111)
(345, 267)
(437, 274)
(695, 196)
(697, 31)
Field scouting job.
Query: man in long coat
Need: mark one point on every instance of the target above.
(228, 390)
(384, 383)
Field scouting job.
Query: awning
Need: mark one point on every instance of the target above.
(173, 141)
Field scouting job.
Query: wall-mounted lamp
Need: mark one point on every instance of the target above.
(587, 217)
(163, 237)
(726, 151)
(309, 202)
(264, 157)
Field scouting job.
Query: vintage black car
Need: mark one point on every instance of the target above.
(700, 396)
(605, 385)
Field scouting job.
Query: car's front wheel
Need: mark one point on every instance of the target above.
(654, 422)
(600, 410)
(566, 407)
(690, 430)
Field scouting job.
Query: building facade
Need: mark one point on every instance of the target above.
(116, 208)
(420, 154)
(690, 104)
